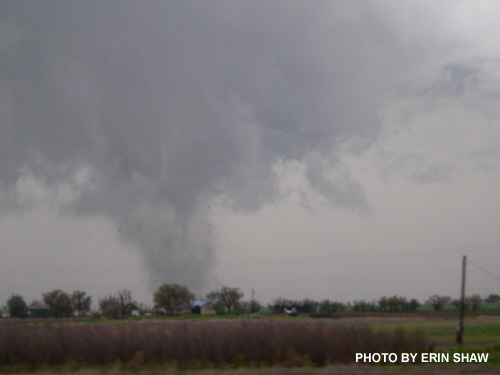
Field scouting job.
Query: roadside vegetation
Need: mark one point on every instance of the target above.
(214, 345)
(197, 344)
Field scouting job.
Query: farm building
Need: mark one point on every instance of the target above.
(206, 307)
(185, 308)
(130, 310)
(196, 307)
(38, 312)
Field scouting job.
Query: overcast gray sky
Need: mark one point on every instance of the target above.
(344, 150)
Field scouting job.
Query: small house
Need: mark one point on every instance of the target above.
(38, 312)
(206, 307)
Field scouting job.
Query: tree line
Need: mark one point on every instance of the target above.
(171, 299)
(57, 303)
(394, 304)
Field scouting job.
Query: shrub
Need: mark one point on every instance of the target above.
(220, 309)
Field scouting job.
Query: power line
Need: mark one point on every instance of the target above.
(252, 262)
(347, 256)
(484, 270)
(348, 277)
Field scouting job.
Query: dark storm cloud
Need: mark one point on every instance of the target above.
(173, 103)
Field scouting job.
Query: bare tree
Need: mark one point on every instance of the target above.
(124, 300)
(475, 301)
(437, 302)
(59, 303)
(81, 302)
(470, 302)
(116, 306)
(229, 297)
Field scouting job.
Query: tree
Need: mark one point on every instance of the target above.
(242, 307)
(38, 309)
(255, 306)
(383, 304)
(229, 297)
(280, 304)
(328, 307)
(308, 305)
(16, 306)
(457, 302)
(172, 296)
(475, 301)
(413, 305)
(143, 308)
(59, 303)
(125, 302)
(492, 298)
(470, 302)
(437, 302)
(397, 304)
(364, 306)
(36, 304)
(81, 302)
(116, 306)
(110, 307)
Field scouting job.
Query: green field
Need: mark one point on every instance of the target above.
(482, 333)
(485, 307)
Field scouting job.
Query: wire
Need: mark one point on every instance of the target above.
(484, 270)
(260, 281)
(277, 261)
(349, 256)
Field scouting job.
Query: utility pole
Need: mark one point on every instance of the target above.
(460, 328)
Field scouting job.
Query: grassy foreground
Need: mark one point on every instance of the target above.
(241, 346)
(481, 335)
(196, 344)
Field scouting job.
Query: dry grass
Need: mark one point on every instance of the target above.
(204, 344)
